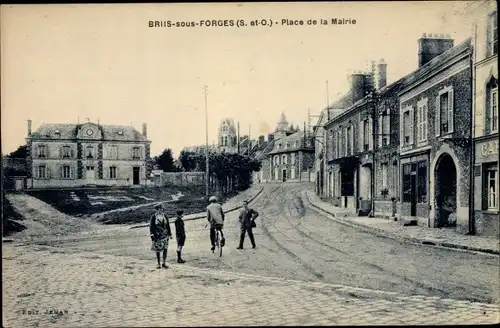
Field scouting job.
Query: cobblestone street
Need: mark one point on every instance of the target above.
(306, 270)
(90, 290)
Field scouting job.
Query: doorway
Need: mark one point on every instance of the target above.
(413, 193)
(135, 175)
(284, 175)
(90, 174)
(446, 192)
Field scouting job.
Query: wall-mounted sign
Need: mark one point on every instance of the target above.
(487, 151)
(489, 148)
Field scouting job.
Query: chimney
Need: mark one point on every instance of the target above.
(431, 46)
(270, 137)
(358, 86)
(381, 74)
(145, 130)
(261, 141)
(29, 128)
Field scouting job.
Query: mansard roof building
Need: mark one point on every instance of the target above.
(87, 154)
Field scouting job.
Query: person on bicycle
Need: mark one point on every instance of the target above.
(215, 216)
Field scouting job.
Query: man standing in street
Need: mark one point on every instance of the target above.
(247, 223)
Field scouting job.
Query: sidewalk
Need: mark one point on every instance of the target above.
(52, 287)
(414, 234)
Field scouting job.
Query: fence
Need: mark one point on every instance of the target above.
(181, 178)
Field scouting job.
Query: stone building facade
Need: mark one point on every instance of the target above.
(387, 186)
(351, 147)
(485, 108)
(435, 117)
(288, 155)
(88, 154)
(291, 159)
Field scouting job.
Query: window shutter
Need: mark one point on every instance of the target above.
(425, 124)
(451, 111)
(131, 152)
(344, 132)
(370, 131)
(380, 130)
(61, 171)
(36, 174)
(402, 130)
(61, 151)
(72, 154)
(438, 117)
(48, 172)
(388, 130)
(361, 135)
(47, 153)
(71, 170)
(117, 172)
(411, 112)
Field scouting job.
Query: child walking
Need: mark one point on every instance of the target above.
(180, 235)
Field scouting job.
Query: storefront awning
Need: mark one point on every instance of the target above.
(348, 160)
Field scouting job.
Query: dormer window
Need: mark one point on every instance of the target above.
(120, 133)
(57, 132)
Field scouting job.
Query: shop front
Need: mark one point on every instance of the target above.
(486, 196)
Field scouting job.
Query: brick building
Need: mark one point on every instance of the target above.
(485, 108)
(435, 116)
(71, 155)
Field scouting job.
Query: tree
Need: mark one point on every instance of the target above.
(228, 172)
(166, 161)
(189, 160)
(20, 152)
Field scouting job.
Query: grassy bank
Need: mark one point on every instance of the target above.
(80, 202)
(143, 214)
(11, 220)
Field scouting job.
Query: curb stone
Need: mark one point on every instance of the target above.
(202, 216)
(413, 240)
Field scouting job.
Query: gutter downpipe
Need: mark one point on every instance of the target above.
(472, 223)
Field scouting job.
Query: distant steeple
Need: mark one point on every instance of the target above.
(282, 124)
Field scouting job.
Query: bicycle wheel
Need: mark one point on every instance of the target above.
(220, 246)
(216, 240)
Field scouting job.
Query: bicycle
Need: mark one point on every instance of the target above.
(218, 243)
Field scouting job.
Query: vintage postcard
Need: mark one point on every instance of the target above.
(239, 164)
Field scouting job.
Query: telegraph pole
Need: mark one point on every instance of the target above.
(238, 139)
(206, 147)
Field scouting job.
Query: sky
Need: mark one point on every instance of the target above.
(70, 63)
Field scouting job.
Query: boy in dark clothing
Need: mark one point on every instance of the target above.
(180, 235)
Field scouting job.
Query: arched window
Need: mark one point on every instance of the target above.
(491, 106)
(284, 159)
